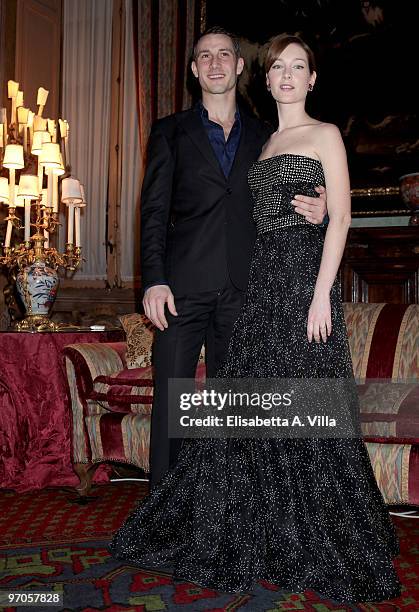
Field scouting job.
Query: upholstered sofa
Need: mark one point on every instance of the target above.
(111, 402)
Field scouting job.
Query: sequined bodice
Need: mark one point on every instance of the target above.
(275, 181)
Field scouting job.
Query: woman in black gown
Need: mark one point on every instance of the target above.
(299, 513)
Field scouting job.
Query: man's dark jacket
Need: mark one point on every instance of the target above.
(196, 224)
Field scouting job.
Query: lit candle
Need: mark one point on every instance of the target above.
(66, 151)
(22, 119)
(3, 121)
(30, 126)
(12, 183)
(27, 219)
(54, 192)
(63, 128)
(77, 226)
(19, 99)
(71, 195)
(44, 205)
(12, 91)
(49, 187)
(1, 136)
(8, 234)
(12, 199)
(40, 176)
(27, 191)
(52, 129)
(70, 223)
(63, 134)
(4, 190)
(44, 198)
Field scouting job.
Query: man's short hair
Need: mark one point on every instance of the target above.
(218, 30)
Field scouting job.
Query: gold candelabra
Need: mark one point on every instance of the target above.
(35, 249)
(33, 147)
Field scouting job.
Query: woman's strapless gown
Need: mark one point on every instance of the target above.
(298, 513)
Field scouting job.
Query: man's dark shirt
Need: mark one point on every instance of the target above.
(225, 150)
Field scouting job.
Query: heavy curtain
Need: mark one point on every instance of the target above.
(162, 37)
(155, 42)
(87, 44)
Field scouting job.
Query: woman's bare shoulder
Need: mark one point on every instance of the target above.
(325, 136)
(326, 128)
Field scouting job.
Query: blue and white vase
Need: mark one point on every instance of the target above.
(37, 285)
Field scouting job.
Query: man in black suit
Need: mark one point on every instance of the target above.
(197, 228)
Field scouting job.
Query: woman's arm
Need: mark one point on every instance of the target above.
(332, 154)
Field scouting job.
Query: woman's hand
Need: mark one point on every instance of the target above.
(319, 323)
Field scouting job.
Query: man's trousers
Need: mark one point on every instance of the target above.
(202, 318)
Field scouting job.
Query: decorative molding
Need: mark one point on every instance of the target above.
(374, 192)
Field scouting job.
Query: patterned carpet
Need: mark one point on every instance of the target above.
(90, 580)
(56, 515)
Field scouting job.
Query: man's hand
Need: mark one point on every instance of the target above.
(313, 209)
(154, 301)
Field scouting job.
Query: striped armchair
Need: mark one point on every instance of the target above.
(111, 407)
(111, 404)
(384, 343)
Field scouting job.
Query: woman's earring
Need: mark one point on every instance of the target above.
(310, 87)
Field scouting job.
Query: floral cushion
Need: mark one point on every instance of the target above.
(139, 332)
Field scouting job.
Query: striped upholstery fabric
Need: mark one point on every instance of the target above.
(104, 430)
(84, 362)
(391, 468)
(119, 437)
(111, 404)
(384, 340)
(384, 343)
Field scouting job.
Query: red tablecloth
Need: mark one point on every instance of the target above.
(34, 409)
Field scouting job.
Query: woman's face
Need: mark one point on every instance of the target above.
(289, 76)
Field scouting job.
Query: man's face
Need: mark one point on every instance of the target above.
(216, 65)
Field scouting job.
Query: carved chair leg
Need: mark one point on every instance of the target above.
(85, 472)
